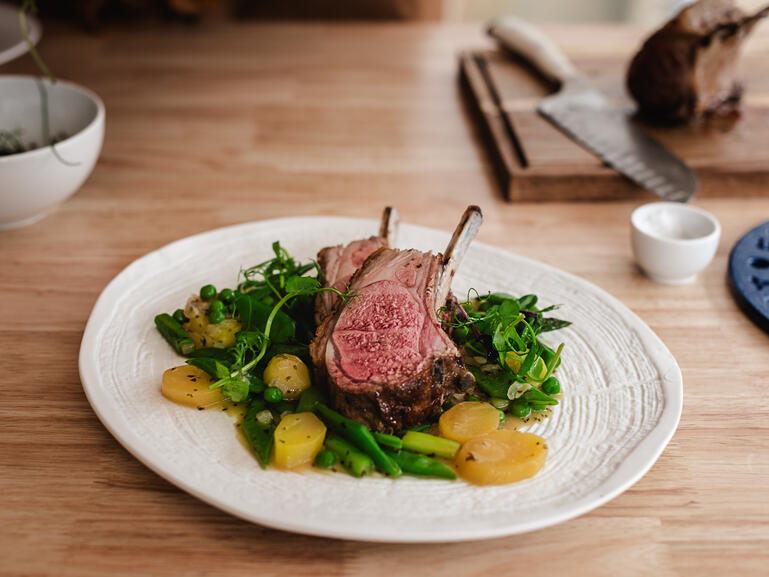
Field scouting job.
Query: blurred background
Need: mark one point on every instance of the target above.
(94, 13)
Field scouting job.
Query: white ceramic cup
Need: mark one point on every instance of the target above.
(33, 183)
(672, 242)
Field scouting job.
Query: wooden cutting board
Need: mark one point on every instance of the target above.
(534, 161)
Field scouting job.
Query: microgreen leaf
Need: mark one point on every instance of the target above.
(527, 302)
(302, 285)
(493, 383)
(213, 367)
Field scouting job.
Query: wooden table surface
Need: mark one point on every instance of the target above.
(226, 123)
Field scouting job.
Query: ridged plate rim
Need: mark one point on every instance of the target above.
(628, 472)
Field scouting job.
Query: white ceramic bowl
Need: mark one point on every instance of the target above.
(33, 183)
(672, 242)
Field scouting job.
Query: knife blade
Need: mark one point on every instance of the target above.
(587, 117)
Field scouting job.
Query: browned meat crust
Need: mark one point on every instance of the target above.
(688, 68)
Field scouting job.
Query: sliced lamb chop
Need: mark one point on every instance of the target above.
(386, 359)
(338, 263)
(689, 67)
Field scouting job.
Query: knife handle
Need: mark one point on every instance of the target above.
(530, 43)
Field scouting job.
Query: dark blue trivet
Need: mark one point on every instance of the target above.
(749, 274)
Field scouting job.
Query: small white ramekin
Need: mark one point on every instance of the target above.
(672, 242)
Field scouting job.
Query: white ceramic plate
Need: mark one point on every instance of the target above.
(12, 44)
(622, 402)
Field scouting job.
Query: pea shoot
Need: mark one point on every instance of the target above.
(503, 332)
(272, 304)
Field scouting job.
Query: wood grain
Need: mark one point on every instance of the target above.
(537, 162)
(231, 123)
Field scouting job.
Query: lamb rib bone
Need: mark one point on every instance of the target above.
(391, 221)
(455, 251)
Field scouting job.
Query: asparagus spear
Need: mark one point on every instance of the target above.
(430, 444)
(390, 441)
(422, 465)
(359, 436)
(173, 332)
(357, 463)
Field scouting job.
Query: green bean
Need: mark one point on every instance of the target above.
(259, 436)
(173, 332)
(359, 436)
(390, 441)
(356, 462)
(422, 465)
(430, 444)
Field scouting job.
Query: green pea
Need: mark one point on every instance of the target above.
(216, 306)
(180, 317)
(226, 295)
(520, 409)
(551, 386)
(207, 292)
(273, 395)
(215, 317)
(460, 334)
(325, 459)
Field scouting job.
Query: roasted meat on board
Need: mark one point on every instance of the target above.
(689, 67)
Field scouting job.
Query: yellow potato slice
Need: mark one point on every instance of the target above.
(222, 335)
(464, 421)
(188, 385)
(289, 374)
(196, 311)
(298, 438)
(501, 457)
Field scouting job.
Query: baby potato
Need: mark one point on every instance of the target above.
(222, 335)
(289, 374)
(501, 457)
(196, 311)
(188, 385)
(466, 420)
(298, 438)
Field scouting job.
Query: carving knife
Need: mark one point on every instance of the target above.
(587, 117)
